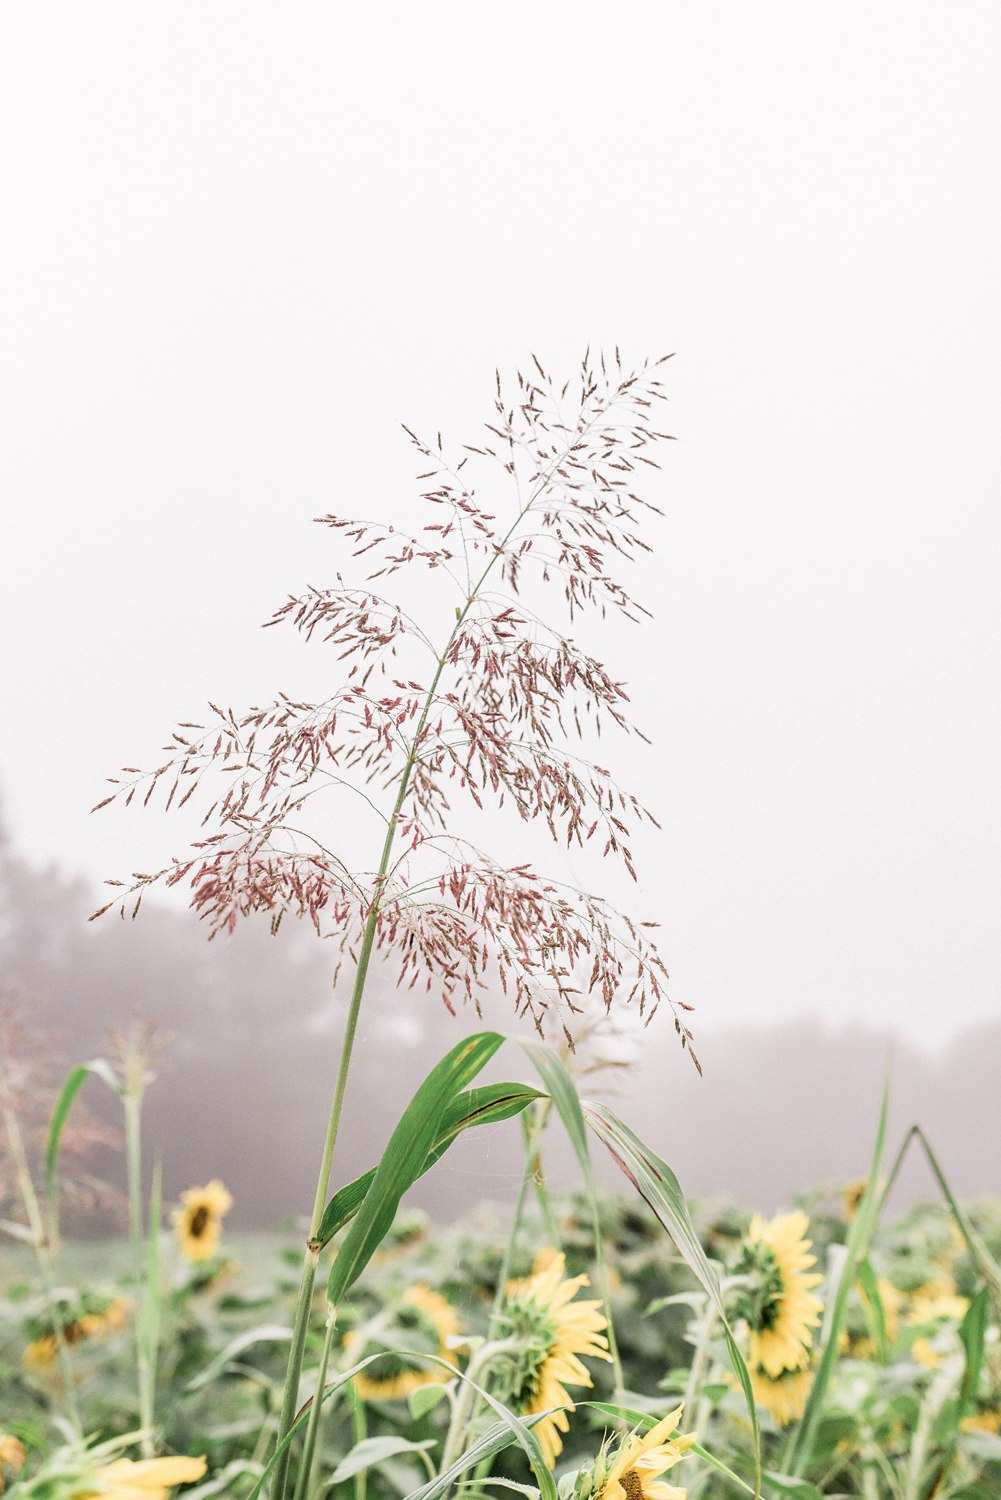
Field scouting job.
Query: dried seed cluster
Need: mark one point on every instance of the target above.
(495, 715)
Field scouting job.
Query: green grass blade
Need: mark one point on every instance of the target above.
(872, 1307)
(75, 1080)
(658, 1186)
(148, 1331)
(509, 1429)
(856, 1248)
(265, 1333)
(973, 1334)
(409, 1147)
(563, 1092)
(982, 1258)
(372, 1451)
(482, 1106)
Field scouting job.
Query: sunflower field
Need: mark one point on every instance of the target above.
(626, 1347)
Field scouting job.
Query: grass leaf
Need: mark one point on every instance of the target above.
(658, 1186)
(403, 1161)
(482, 1106)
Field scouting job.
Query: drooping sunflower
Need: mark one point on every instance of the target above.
(142, 1479)
(779, 1306)
(12, 1456)
(423, 1319)
(633, 1471)
(77, 1472)
(549, 1331)
(851, 1197)
(784, 1395)
(96, 1318)
(198, 1223)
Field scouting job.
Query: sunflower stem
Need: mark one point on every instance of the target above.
(462, 1411)
(696, 1374)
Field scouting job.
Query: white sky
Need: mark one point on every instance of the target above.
(240, 244)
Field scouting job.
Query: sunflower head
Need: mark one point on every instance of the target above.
(633, 1470)
(12, 1456)
(75, 1472)
(851, 1198)
(143, 1479)
(777, 1302)
(198, 1222)
(547, 1331)
(422, 1320)
(92, 1317)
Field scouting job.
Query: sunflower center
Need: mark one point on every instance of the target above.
(631, 1483)
(199, 1222)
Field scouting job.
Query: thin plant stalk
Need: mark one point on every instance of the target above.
(533, 1138)
(604, 1288)
(700, 1360)
(313, 1425)
(504, 1274)
(312, 1253)
(361, 1433)
(40, 1246)
(132, 1107)
(462, 1412)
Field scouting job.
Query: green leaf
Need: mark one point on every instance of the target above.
(788, 1484)
(482, 1106)
(410, 1145)
(60, 1113)
(855, 1250)
(424, 1398)
(267, 1333)
(872, 1307)
(658, 1186)
(374, 1450)
(973, 1332)
(496, 1438)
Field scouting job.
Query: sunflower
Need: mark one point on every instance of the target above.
(548, 1331)
(988, 1420)
(143, 1479)
(198, 1225)
(851, 1198)
(930, 1305)
(633, 1473)
(12, 1456)
(779, 1307)
(423, 1318)
(784, 1395)
(99, 1321)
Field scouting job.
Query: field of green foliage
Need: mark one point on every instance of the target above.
(875, 1364)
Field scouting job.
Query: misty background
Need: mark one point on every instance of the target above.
(237, 254)
(250, 1033)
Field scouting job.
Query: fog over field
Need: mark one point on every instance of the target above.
(251, 1030)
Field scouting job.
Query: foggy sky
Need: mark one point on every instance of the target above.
(240, 246)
